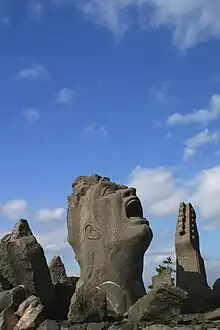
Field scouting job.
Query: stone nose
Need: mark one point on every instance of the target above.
(129, 192)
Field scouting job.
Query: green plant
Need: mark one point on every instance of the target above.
(166, 264)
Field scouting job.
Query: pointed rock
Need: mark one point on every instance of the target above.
(21, 229)
(22, 261)
(57, 270)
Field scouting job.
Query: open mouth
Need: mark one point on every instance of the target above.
(134, 208)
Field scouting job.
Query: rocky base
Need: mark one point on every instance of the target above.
(127, 325)
(34, 296)
(30, 316)
(9, 321)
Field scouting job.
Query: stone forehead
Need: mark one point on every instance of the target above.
(90, 180)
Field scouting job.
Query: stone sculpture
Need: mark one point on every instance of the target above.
(109, 236)
(57, 270)
(190, 269)
(187, 248)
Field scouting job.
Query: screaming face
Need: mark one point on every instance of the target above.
(121, 211)
(134, 210)
(110, 212)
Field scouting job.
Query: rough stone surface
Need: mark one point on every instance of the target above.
(76, 327)
(22, 261)
(8, 319)
(125, 325)
(12, 298)
(108, 219)
(87, 305)
(158, 305)
(116, 298)
(134, 326)
(30, 301)
(97, 326)
(216, 285)
(64, 291)
(57, 270)
(212, 315)
(32, 316)
(166, 327)
(49, 325)
(163, 278)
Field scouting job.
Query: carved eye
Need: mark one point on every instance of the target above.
(107, 191)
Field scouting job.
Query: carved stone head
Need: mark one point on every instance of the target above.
(107, 231)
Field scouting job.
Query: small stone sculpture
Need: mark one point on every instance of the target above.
(190, 268)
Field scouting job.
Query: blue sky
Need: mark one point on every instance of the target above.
(126, 89)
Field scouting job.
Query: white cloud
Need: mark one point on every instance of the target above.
(35, 10)
(162, 253)
(50, 215)
(211, 227)
(190, 21)
(160, 94)
(207, 193)
(18, 208)
(31, 114)
(96, 130)
(158, 189)
(200, 139)
(161, 192)
(65, 96)
(38, 72)
(53, 241)
(15, 209)
(201, 116)
(212, 269)
(5, 21)
(3, 233)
